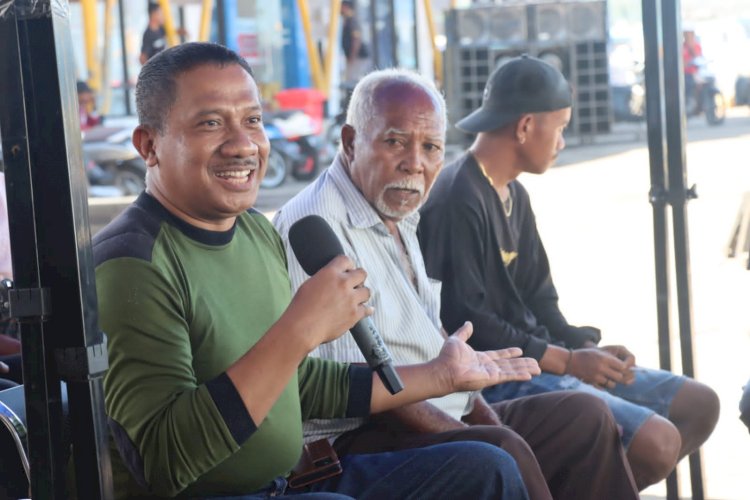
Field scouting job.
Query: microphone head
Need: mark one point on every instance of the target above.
(314, 243)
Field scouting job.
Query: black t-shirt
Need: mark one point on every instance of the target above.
(154, 41)
(492, 263)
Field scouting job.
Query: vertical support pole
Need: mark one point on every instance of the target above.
(312, 53)
(88, 11)
(166, 11)
(393, 32)
(679, 195)
(206, 12)
(226, 11)
(106, 90)
(333, 30)
(437, 56)
(221, 22)
(181, 17)
(652, 37)
(55, 295)
(124, 50)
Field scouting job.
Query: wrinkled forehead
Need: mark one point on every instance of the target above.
(407, 98)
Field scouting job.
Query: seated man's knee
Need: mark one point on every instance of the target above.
(654, 450)
(695, 411)
(592, 412)
(502, 437)
(497, 468)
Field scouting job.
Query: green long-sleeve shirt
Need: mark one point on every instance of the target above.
(179, 305)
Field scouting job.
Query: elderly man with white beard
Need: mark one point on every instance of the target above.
(392, 149)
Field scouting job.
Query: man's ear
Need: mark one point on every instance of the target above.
(143, 140)
(347, 141)
(524, 126)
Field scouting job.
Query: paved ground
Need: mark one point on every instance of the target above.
(594, 214)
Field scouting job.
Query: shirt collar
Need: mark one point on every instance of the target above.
(359, 211)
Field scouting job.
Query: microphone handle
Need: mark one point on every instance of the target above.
(376, 354)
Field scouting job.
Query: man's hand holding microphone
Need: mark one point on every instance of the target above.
(336, 297)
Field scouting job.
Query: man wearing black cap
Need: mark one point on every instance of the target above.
(479, 237)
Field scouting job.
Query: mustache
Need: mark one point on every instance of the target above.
(237, 162)
(412, 184)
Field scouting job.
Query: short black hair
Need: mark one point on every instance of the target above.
(347, 3)
(156, 89)
(153, 7)
(83, 87)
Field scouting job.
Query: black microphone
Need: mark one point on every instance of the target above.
(315, 245)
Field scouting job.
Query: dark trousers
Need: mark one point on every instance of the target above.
(566, 443)
(451, 470)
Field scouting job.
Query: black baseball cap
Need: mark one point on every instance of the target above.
(522, 85)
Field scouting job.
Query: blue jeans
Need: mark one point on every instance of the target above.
(452, 470)
(651, 392)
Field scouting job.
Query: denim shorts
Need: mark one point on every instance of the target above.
(651, 392)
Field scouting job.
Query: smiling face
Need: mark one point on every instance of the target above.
(206, 165)
(394, 160)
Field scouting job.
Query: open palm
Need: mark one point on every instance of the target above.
(468, 370)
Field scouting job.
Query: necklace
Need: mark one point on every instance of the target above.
(506, 203)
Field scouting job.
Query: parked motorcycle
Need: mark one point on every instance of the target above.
(629, 98)
(110, 147)
(705, 98)
(333, 133)
(99, 180)
(295, 149)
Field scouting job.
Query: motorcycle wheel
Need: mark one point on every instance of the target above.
(715, 109)
(275, 171)
(130, 180)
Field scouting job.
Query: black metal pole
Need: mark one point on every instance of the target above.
(679, 195)
(394, 32)
(652, 37)
(54, 295)
(181, 17)
(44, 410)
(124, 50)
(221, 22)
(374, 33)
(657, 159)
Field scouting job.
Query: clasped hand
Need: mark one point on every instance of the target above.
(603, 367)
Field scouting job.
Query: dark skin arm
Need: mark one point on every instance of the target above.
(421, 418)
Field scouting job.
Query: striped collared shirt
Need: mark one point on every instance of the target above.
(406, 314)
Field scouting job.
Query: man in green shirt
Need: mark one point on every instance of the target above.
(209, 378)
